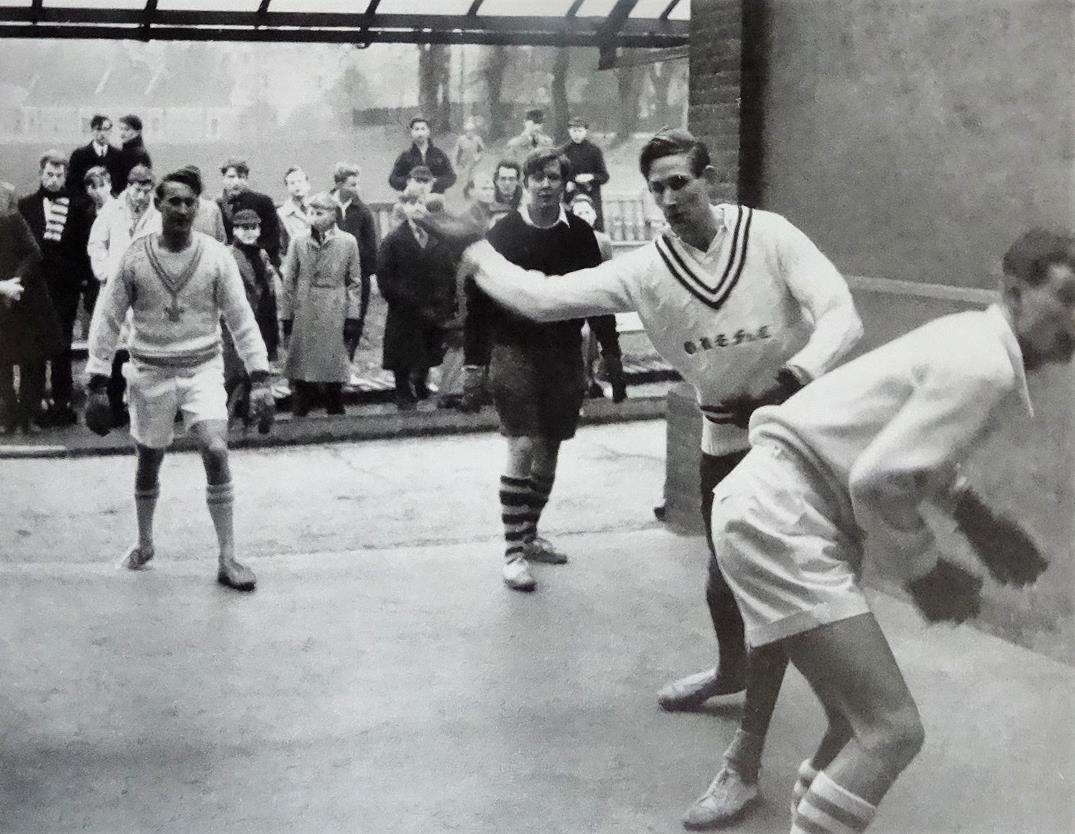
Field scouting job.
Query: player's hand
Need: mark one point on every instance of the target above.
(1008, 553)
(616, 377)
(741, 408)
(98, 409)
(947, 594)
(262, 406)
(473, 389)
(457, 231)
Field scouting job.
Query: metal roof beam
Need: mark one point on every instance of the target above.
(668, 10)
(616, 19)
(473, 10)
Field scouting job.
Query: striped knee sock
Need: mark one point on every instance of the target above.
(807, 774)
(540, 489)
(515, 513)
(829, 809)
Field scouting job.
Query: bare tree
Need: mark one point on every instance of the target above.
(434, 95)
(560, 105)
(629, 83)
(494, 68)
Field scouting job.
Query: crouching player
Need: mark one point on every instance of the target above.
(177, 285)
(842, 467)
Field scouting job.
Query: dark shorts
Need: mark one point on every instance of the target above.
(537, 394)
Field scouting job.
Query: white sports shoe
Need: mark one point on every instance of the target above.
(517, 575)
(728, 797)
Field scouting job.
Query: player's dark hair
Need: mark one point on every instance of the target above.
(184, 176)
(671, 141)
(537, 160)
(1030, 257)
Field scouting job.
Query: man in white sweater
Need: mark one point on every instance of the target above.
(177, 285)
(748, 310)
(841, 470)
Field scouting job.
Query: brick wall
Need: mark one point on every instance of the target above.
(715, 76)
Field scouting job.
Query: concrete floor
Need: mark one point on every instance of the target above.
(383, 680)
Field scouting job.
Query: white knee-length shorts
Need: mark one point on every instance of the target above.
(154, 395)
(778, 542)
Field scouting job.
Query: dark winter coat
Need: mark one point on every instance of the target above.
(65, 264)
(29, 330)
(265, 208)
(84, 158)
(435, 160)
(133, 153)
(418, 283)
(586, 158)
(357, 220)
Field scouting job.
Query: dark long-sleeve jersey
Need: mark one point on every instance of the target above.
(567, 246)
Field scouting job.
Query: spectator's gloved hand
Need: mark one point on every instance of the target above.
(616, 377)
(785, 384)
(1008, 553)
(11, 290)
(473, 389)
(352, 333)
(947, 593)
(287, 324)
(262, 403)
(458, 231)
(98, 409)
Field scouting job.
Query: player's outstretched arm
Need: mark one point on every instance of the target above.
(948, 593)
(1008, 553)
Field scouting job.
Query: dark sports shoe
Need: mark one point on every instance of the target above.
(235, 575)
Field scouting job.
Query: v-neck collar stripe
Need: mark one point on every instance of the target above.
(679, 265)
(174, 285)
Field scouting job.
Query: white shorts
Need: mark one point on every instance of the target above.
(789, 563)
(154, 395)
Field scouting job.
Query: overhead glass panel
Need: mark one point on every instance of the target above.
(524, 8)
(208, 5)
(649, 8)
(596, 8)
(19, 3)
(425, 7)
(125, 5)
(682, 11)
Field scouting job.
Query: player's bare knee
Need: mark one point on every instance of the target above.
(897, 738)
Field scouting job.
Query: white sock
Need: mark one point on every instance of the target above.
(829, 809)
(806, 776)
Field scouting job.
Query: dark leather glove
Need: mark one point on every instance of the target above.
(473, 389)
(457, 231)
(287, 325)
(262, 403)
(352, 333)
(1008, 553)
(741, 408)
(947, 593)
(98, 409)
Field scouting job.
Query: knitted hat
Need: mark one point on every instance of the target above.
(246, 217)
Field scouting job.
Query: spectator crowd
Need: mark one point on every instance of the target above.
(309, 266)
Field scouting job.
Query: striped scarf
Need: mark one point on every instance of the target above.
(55, 218)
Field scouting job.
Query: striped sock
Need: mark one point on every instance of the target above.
(806, 776)
(540, 490)
(515, 513)
(829, 809)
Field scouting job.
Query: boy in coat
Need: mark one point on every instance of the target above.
(321, 308)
